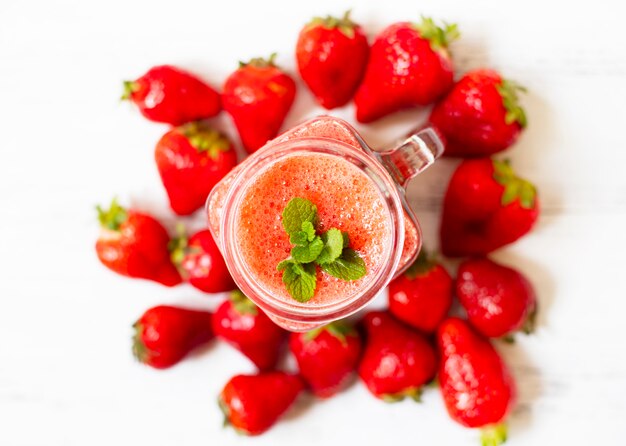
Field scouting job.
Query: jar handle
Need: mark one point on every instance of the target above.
(413, 154)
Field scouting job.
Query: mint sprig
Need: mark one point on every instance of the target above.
(329, 250)
(333, 246)
(350, 266)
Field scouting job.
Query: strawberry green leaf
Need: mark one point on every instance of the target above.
(421, 266)
(300, 280)
(514, 112)
(260, 62)
(298, 211)
(140, 351)
(439, 37)
(113, 217)
(242, 304)
(343, 24)
(177, 246)
(415, 393)
(338, 329)
(493, 435)
(130, 87)
(333, 246)
(349, 266)
(205, 139)
(515, 188)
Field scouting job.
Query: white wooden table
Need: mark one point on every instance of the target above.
(66, 373)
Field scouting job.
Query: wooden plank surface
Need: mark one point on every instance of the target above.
(66, 374)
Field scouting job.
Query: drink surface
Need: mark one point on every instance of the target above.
(345, 198)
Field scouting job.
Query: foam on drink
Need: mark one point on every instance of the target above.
(345, 198)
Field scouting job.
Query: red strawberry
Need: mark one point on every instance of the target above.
(409, 65)
(201, 263)
(173, 96)
(191, 159)
(486, 206)
(332, 55)
(477, 388)
(498, 299)
(327, 356)
(397, 361)
(246, 327)
(253, 403)
(164, 335)
(422, 296)
(480, 115)
(258, 96)
(135, 245)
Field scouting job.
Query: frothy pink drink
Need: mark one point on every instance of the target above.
(363, 198)
(345, 198)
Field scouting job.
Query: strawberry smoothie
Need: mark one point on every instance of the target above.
(324, 166)
(322, 127)
(346, 199)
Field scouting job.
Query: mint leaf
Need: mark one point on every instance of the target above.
(350, 266)
(309, 230)
(284, 264)
(333, 246)
(300, 280)
(309, 252)
(299, 238)
(298, 211)
(346, 239)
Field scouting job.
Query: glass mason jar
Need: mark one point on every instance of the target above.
(389, 171)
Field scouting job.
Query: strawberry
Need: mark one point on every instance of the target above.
(253, 403)
(200, 262)
(409, 66)
(476, 386)
(164, 335)
(258, 96)
(327, 356)
(332, 54)
(480, 116)
(134, 244)
(246, 327)
(191, 159)
(422, 296)
(397, 361)
(173, 96)
(486, 206)
(498, 299)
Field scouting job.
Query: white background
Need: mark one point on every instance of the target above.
(66, 373)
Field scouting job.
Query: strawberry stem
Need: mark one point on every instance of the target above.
(439, 37)
(178, 245)
(421, 266)
(514, 112)
(344, 24)
(515, 188)
(140, 352)
(225, 411)
(493, 435)
(129, 88)
(531, 322)
(260, 62)
(242, 304)
(113, 217)
(415, 393)
(339, 329)
(205, 139)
